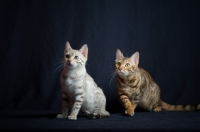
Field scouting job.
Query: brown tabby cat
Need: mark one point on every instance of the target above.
(136, 88)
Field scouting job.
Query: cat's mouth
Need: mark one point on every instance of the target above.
(69, 64)
(120, 72)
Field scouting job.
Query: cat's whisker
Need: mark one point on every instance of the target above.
(59, 63)
(110, 66)
(61, 66)
(113, 76)
(108, 71)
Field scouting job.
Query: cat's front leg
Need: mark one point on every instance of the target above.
(65, 104)
(129, 107)
(134, 101)
(79, 97)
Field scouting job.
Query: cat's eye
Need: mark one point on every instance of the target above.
(76, 57)
(127, 64)
(117, 64)
(67, 55)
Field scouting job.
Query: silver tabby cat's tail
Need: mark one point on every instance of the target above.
(98, 115)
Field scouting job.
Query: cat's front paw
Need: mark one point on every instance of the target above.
(60, 116)
(72, 117)
(129, 112)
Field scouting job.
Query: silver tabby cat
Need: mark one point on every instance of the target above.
(79, 91)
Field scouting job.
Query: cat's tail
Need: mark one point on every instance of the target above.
(169, 107)
(102, 114)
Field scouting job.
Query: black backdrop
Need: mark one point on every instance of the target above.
(33, 35)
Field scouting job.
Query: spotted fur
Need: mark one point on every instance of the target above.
(79, 91)
(137, 89)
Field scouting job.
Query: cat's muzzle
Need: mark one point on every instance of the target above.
(69, 63)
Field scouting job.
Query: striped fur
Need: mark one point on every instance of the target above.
(137, 89)
(79, 91)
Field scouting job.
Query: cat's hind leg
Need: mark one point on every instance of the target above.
(157, 107)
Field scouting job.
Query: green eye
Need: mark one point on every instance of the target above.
(117, 64)
(127, 64)
(76, 57)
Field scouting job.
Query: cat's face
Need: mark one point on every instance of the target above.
(123, 66)
(126, 66)
(75, 58)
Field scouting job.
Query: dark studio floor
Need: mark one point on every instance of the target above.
(141, 121)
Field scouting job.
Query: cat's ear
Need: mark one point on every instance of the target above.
(67, 47)
(84, 50)
(119, 54)
(135, 58)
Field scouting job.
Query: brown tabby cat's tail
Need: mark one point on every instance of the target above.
(169, 107)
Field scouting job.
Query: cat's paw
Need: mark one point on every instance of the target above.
(157, 109)
(72, 117)
(60, 116)
(129, 112)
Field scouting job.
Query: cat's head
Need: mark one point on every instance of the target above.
(125, 66)
(75, 58)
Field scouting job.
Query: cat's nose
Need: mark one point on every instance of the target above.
(69, 60)
(120, 69)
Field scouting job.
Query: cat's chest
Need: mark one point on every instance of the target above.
(70, 82)
(71, 87)
(129, 89)
(72, 77)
